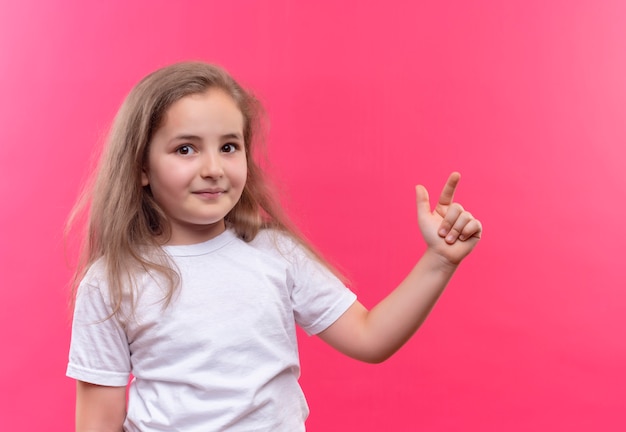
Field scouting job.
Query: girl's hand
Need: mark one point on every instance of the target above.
(449, 231)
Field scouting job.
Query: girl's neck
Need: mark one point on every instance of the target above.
(194, 234)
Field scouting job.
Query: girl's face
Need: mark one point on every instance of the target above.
(196, 165)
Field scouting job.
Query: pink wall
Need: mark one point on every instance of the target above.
(525, 98)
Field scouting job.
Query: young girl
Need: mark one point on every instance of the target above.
(193, 280)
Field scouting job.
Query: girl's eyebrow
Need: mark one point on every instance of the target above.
(233, 136)
(188, 137)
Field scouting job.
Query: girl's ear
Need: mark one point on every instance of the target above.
(145, 181)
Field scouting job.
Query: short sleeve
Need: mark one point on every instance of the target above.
(318, 297)
(99, 350)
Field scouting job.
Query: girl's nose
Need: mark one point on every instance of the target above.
(211, 166)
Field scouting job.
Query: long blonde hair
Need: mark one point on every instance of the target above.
(122, 217)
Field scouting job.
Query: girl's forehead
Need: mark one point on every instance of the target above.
(213, 111)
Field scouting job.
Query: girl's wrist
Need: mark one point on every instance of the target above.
(438, 262)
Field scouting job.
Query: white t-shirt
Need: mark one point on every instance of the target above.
(223, 355)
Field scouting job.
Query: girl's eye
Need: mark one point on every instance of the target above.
(184, 150)
(229, 148)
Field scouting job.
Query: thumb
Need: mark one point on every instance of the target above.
(423, 203)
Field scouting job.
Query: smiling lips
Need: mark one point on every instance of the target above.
(210, 193)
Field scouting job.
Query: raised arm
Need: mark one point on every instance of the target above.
(450, 233)
(99, 408)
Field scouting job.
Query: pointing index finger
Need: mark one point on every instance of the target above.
(447, 194)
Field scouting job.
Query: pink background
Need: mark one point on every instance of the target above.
(525, 98)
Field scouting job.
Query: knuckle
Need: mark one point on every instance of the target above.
(446, 224)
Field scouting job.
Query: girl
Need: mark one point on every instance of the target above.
(193, 279)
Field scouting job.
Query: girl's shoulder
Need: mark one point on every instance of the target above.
(93, 287)
(273, 240)
(96, 273)
(97, 276)
(283, 246)
(271, 235)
